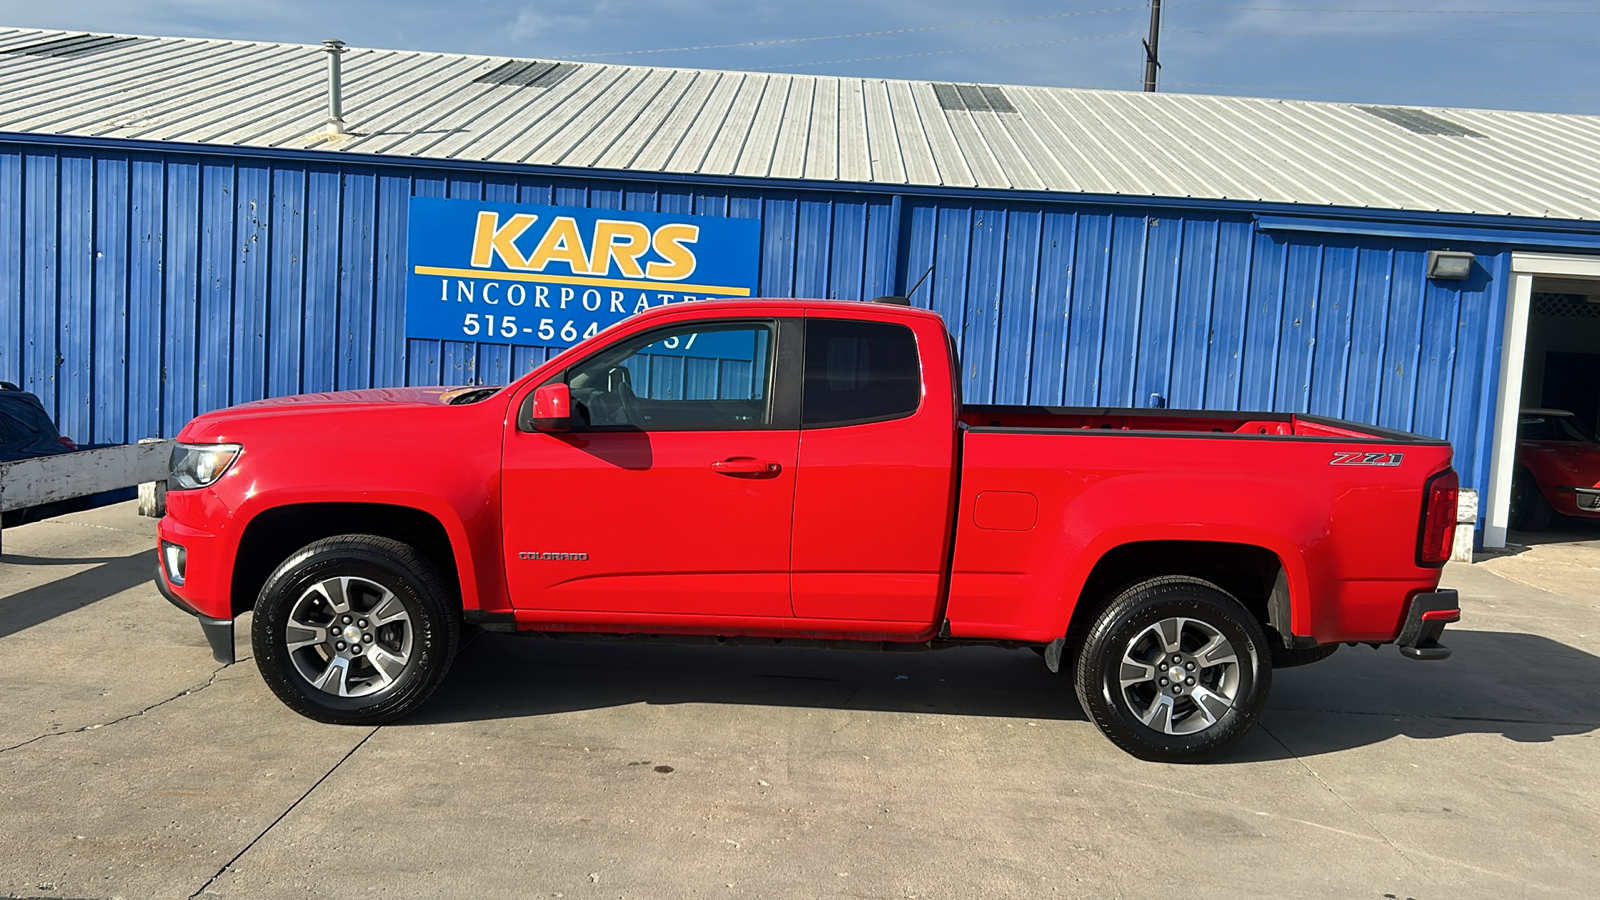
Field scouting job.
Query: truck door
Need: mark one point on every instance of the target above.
(674, 492)
(875, 490)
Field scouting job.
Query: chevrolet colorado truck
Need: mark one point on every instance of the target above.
(804, 473)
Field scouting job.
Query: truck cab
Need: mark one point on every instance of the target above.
(698, 500)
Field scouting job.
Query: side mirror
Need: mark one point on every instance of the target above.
(552, 408)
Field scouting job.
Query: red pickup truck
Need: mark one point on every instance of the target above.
(804, 473)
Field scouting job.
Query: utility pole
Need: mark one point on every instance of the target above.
(1152, 57)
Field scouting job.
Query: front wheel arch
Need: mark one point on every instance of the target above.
(272, 535)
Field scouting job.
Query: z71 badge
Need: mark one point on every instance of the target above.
(1357, 458)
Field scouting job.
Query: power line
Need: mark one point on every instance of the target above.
(1306, 90)
(1412, 12)
(1387, 37)
(829, 62)
(837, 37)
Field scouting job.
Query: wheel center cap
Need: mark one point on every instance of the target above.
(1176, 673)
(352, 634)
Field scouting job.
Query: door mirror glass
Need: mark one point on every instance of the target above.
(552, 408)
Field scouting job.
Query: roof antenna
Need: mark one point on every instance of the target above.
(919, 282)
(906, 300)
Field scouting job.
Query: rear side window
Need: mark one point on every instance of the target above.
(859, 372)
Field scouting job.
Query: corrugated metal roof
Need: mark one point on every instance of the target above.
(824, 128)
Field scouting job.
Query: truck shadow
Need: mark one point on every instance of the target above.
(503, 676)
(1522, 687)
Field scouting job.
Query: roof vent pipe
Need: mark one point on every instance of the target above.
(335, 104)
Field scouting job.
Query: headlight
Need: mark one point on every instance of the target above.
(197, 465)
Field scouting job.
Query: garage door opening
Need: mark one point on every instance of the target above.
(1562, 365)
(1545, 471)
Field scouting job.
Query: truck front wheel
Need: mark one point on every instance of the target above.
(1174, 670)
(354, 630)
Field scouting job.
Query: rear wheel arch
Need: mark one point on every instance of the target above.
(1255, 576)
(274, 534)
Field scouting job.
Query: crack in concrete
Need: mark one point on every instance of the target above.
(1266, 813)
(1380, 839)
(1347, 805)
(78, 524)
(285, 814)
(133, 715)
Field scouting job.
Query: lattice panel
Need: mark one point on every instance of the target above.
(1570, 305)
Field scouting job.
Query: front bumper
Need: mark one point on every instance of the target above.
(1425, 621)
(206, 584)
(1587, 500)
(218, 632)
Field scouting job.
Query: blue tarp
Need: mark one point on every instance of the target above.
(25, 428)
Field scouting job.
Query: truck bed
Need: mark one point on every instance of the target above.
(1077, 418)
(1046, 491)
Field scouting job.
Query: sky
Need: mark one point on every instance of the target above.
(1540, 55)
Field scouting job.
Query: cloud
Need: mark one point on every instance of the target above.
(534, 25)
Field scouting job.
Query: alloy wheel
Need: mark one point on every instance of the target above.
(349, 636)
(1179, 676)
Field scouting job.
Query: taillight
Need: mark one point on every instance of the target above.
(1438, 532)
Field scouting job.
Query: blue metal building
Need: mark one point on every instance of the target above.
(182, 229)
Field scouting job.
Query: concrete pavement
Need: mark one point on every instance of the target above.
(131, 765)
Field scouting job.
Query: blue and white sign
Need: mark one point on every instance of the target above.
(509, 273)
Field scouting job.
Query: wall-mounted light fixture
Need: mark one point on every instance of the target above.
(1449, 265)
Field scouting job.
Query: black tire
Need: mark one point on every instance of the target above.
(1529, 510)
(369, 574)
(1132, 626)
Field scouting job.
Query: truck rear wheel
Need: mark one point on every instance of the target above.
(1174, 670)
(354, 630)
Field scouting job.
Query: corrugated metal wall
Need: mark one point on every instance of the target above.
(141, 289)
(1079, 306)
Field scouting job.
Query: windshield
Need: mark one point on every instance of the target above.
(1554, 428)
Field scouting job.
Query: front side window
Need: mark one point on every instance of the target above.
(690, 377)
(859, 372)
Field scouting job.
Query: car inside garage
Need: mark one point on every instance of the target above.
(1555, 493)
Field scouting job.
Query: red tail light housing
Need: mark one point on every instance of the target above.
(1437, 535)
